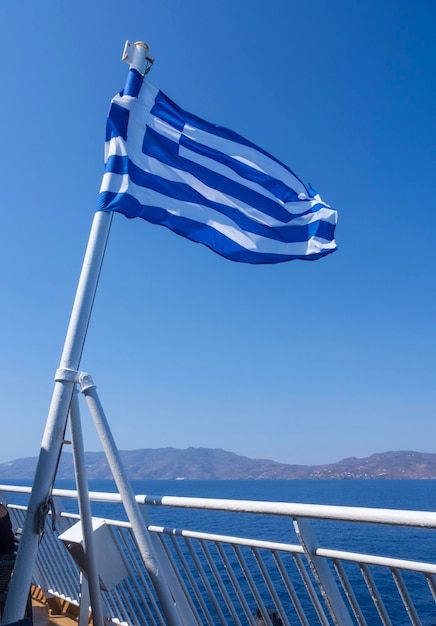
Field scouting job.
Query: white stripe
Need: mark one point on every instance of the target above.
(222, 224)
(156, 167)
(247, 155)
(147, 94)
(117, 147)
(296, 207)
(115, 183)
(163, 128)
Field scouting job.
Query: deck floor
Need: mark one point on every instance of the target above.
(41, 616)
(51, 613)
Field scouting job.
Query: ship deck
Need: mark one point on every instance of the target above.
(45, 614)
(42, 616)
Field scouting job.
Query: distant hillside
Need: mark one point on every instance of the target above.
(217, 464)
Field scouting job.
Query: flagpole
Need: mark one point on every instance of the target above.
(53, 437)
(136, 55)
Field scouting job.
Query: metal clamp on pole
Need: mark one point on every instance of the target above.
(73, 376)
(65, 375)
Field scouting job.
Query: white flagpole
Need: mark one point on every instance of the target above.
(57, 418)
(51, 446)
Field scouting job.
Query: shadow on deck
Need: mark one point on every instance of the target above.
(48, 613)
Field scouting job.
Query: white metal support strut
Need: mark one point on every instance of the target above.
(92, 575)
(136, 518)
(322, 573)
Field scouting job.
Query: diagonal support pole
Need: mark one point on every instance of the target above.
(92, 578)
(136, 518)
(322, 573)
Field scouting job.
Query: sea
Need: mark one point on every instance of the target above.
(405, 543)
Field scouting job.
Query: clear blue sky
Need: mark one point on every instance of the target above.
(302, 362)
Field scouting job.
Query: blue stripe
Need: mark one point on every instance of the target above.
(194, 231)
(166, 151)
(117, 164)
(167, 110)
(133, 83)
(184, 193)
(273, 185)
(117, 122)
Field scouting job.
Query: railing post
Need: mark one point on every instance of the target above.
(322, 573)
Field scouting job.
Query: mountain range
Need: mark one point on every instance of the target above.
(218, 464)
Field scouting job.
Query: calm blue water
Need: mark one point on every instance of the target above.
(401, 494)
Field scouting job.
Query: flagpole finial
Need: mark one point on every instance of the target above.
(138, 57)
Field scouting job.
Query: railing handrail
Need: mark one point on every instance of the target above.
(220, 573)
(404, 564)
(391, 517)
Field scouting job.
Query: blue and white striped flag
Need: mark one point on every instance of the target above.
(207, 183)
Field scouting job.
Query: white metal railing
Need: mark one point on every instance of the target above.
(227, 579)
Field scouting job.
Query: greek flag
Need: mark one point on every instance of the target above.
(207, 183)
